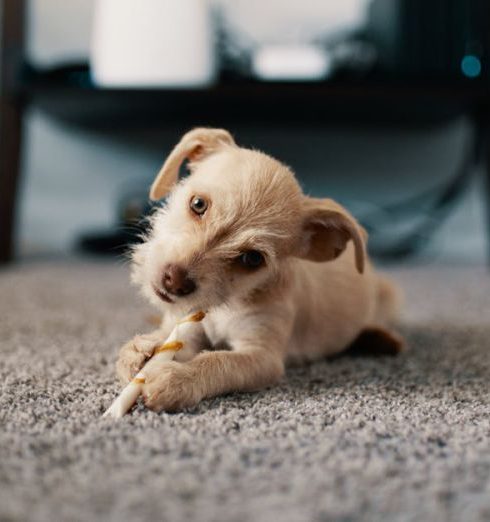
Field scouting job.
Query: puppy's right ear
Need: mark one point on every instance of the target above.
(195, 145)
(327, 228)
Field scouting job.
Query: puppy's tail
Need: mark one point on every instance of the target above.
(389, 300)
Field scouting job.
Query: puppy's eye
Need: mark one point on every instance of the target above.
(198, 205)
(251, 259)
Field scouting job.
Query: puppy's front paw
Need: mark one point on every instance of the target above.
(170, 387)
(133, 355)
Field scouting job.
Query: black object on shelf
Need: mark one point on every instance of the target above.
(133, 213)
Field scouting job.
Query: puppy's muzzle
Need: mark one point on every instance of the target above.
(176, 281)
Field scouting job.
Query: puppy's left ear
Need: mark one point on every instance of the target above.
(195, 145)
(327, 228)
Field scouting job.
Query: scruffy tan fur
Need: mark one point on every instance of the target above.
(315, 293)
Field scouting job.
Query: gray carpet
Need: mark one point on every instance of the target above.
(350, 439)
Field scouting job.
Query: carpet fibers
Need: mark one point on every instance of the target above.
(350, 439)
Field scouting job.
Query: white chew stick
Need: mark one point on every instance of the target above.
(183, 330)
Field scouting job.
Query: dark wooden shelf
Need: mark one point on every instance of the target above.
(69, 95)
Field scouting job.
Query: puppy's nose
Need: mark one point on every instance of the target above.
(176, 281)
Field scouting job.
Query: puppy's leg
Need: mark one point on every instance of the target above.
(379, 339)
(175, 386)
(376, 341)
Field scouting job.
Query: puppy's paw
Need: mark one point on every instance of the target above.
(170, 387)
(377, 341)
(133, 355)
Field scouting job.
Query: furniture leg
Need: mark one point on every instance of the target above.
(11, 110)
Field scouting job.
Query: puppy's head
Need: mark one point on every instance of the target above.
(229, 229)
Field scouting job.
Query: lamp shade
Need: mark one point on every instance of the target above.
(152, 43)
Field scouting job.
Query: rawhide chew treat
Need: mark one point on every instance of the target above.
(178, 338)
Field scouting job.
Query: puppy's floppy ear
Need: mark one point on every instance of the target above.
(327, 228)
(195, 145)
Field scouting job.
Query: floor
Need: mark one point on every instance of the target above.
(350, 439)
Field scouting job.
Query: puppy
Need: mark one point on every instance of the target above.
(284, 277)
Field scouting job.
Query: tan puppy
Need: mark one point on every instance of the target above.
(284, 277)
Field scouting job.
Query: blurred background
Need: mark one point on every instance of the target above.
(381, 104)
